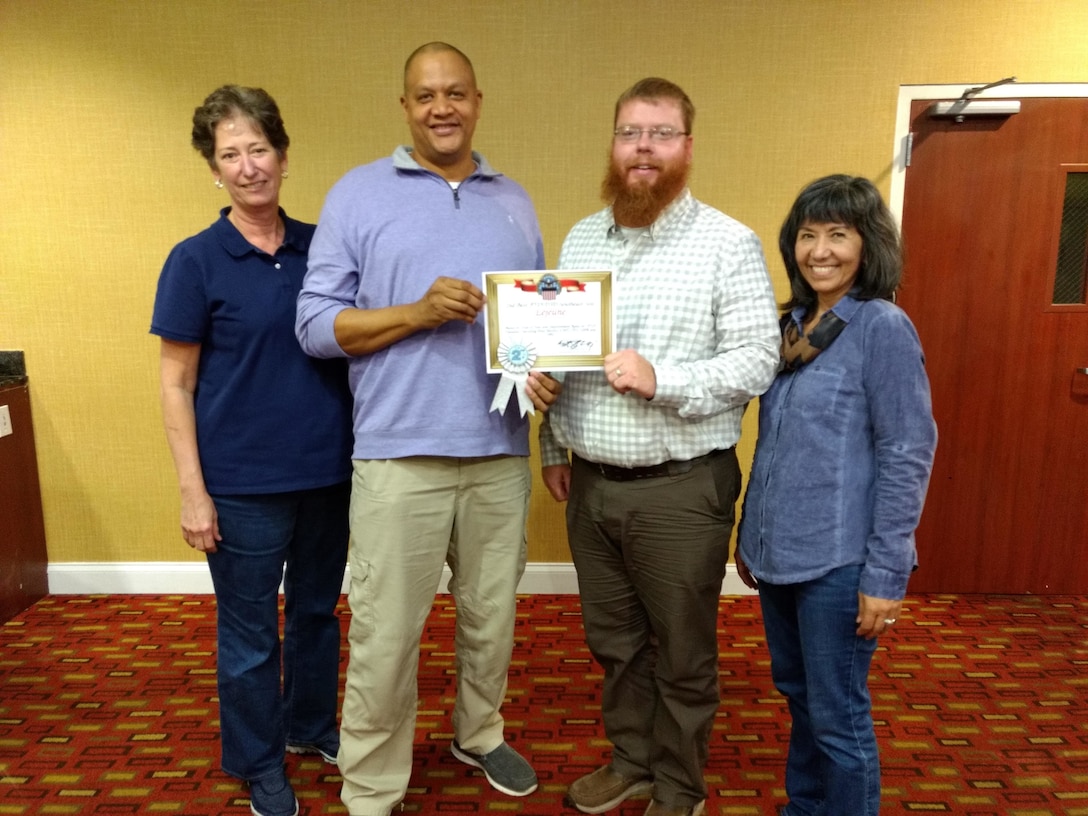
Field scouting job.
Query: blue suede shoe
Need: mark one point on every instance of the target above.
(272, 796)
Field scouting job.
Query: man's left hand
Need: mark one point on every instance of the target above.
(627, 370)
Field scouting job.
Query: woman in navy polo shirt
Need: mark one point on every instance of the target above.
(261, 438)
(846, 443)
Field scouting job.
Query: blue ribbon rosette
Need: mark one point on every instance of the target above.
(516, 361)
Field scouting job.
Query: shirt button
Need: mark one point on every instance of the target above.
(277, 266)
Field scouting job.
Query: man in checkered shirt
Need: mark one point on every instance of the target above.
(653, 479)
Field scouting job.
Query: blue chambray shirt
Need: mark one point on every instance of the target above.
(843, 458)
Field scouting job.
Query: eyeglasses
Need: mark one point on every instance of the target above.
(630, 133)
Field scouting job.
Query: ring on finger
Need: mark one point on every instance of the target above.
(889, 621)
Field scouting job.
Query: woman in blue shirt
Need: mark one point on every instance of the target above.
(846, 443)
(261, 439)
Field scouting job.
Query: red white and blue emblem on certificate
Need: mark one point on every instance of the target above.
(548, 320)
(565, 317)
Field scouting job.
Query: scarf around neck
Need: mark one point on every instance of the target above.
(798, 350)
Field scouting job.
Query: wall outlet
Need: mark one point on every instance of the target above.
(5, 421)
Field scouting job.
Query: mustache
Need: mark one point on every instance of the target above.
(656, 165)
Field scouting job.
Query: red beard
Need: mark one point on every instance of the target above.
(639, 204)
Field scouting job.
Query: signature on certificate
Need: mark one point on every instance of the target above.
(575, 343)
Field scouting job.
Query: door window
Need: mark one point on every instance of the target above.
(1069, 278)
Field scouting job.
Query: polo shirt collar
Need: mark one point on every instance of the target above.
(235, 244)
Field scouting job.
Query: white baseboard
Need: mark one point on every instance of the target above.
(192, 578)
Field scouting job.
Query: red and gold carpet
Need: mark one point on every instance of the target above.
(108, 707)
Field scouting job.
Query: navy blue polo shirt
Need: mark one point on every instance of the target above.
(269, 418)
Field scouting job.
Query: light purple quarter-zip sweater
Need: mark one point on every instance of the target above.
(387, 231)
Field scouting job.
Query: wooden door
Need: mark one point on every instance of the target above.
(983, 202)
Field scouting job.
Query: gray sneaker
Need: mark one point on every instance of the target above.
(505, 769)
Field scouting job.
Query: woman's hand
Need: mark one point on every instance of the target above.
(200, 522)
(745, 574)
(875, 615)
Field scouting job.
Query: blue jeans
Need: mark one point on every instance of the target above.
(822, 667)
(307, 530)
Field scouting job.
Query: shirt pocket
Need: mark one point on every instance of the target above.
(831, 401)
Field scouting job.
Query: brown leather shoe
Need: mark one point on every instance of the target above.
(604, 789)
(657, 808)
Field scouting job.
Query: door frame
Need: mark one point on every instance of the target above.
(910, 93)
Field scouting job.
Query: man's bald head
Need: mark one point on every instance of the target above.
(436, 48)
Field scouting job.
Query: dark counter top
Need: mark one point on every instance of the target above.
(12, 368)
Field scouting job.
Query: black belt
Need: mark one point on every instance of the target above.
(671, 468)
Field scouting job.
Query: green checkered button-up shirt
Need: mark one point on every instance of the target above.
(691, 294)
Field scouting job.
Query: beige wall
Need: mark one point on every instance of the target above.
(97, 179)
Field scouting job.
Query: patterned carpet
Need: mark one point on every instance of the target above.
(108, 706)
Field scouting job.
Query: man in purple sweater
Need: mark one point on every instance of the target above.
(438, 478)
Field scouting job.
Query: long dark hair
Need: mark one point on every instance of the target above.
(854, 201)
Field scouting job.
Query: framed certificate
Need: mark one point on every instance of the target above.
(551, 320)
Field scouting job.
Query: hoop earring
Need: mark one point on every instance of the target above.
(219, 183)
